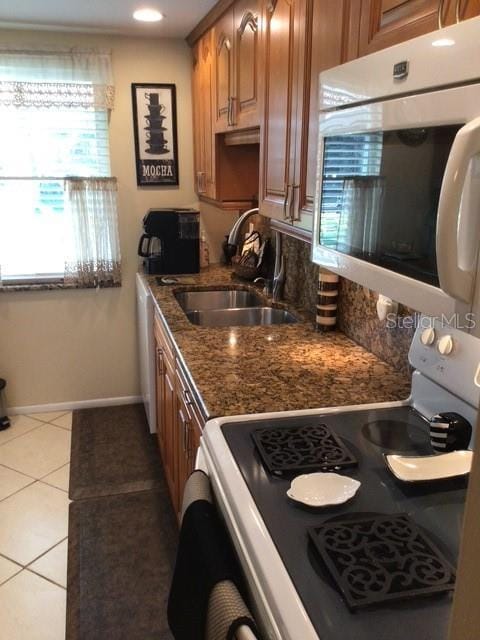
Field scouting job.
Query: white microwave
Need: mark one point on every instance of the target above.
(397, 205)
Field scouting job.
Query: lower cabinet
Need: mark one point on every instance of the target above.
(179, 419)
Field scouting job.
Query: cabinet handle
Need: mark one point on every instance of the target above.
(440, 17)
(459, 9)
(201, 182)
(293, 217)
(186, 429)
(186, 397)
(229, 112)
(232, 112)
(160, 369)
(285, 203)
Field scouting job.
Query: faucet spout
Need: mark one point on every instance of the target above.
(234, 235)
(279, 271)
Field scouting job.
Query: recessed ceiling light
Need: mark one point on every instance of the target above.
(443, 42)
(147, 15)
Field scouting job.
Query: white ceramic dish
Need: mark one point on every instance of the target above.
(322, 489)
(427, 468)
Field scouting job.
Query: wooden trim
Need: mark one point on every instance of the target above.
(228, 205)
(289, 230)
(243, 136)
(208, 21)
(249, 19)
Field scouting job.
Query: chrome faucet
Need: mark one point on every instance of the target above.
(234, 235)
(274, 287)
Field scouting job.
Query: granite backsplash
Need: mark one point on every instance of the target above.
(357, 314)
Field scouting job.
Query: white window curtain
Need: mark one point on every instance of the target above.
(55, 176)
(56, 78)
(93, 254)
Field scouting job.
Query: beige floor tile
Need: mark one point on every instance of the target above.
(32, 521)
(18, 426)
(53, 565)
(7, 569)
(47, 416)
(38, 452)
(65, 421)
(59, 478)
(11, 481)
(32, 608)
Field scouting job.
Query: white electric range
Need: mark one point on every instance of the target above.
(292, 593)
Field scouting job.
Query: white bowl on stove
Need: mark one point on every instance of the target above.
(322, 489)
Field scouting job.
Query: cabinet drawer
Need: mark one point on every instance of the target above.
(163, 340)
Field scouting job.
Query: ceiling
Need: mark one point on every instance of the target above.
(104, 16)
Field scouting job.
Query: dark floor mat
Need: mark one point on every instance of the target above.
(112, 452)
(121, 552)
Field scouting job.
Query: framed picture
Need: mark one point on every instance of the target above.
(155, 127)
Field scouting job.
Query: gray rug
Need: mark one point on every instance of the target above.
(113, 452)
(121, 552)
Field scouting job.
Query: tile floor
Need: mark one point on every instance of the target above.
(34, 474)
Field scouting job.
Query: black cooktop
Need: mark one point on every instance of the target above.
(434, 511)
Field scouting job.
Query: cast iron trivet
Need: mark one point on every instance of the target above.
(301, 448)
(381, 558)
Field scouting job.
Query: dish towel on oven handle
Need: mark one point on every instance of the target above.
(205, 601)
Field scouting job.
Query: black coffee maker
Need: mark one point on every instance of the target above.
(170, 243)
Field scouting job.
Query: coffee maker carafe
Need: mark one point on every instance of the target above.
(170, 242)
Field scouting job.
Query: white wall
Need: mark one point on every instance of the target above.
(64, 346)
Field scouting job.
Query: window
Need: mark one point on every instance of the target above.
(54, 109)
(345, 156)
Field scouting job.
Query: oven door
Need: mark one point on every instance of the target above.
(397, 197)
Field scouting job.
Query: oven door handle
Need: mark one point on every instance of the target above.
(457, 226)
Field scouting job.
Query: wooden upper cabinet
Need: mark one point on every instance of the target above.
(328, 43)
(384, 23)
(245, 108)
(462, 10)
(223, 42)
(282, 41)
(237, 53)
(204, 139)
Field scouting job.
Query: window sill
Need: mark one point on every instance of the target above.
(57, 285)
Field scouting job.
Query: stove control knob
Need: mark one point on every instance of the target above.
(428, 337)
(445, 345)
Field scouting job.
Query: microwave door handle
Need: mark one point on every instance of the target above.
(453, 218)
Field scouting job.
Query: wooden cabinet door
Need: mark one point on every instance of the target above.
(188, 433)
(245, 109)
(204, 138)
(223, 65)
(281, 40)
(327, 45)
(384, 23)
(170, 460)
(160, 398)
(463, 10)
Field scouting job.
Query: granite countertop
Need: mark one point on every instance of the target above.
(257, 369)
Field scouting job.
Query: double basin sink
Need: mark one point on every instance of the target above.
(230, 308)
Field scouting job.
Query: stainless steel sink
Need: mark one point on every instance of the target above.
(240, 317)
(218, 299)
